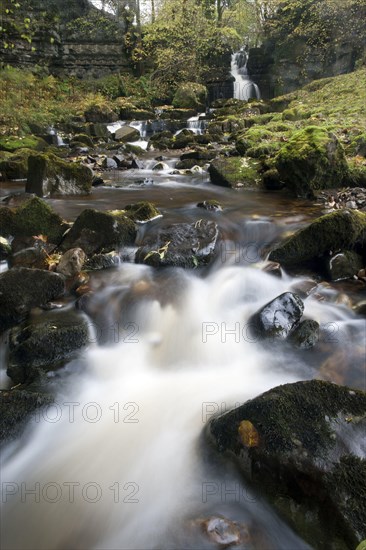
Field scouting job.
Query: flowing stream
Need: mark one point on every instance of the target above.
(119, 462)
(244, 87)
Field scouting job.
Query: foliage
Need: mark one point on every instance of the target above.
(15, 23)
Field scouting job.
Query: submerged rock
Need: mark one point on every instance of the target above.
(95, 231)
(50, 175)
(211, 205)
(336, 231)
(180, 245)
(21, 289)
(44, 343)
(277, 318)
(309, 459)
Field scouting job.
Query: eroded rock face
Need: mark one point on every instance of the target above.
(307, 457)
(180, 245)
(22, 289)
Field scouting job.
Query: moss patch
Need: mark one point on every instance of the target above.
(12, 143)
(235, 172)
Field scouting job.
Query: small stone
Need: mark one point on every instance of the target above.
(71, 262)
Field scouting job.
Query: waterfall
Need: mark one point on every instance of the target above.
(197, 124)
(244, 87)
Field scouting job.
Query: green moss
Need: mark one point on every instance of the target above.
(12, 143)
(7, 221)
(190, 95)
(83, 139)
(313, 158)
(141, 211)
(235, 172)
(340, 230)
(36, 217)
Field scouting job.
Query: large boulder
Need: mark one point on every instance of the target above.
(50, 175)
(312, 159)
(32, 217)
(235, 172)
(21, 289)
(180, 245)
(44, 343)
(190, 95)
(303, 446)
(95, 231)
(336, 231)
(127, 133)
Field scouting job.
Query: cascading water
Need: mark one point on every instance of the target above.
(197, 123)
(244, 87)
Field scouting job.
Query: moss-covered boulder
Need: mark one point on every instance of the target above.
(83, 139)
(190, 95)
(336, 231)
(50, 175)
(14, 166)
(142, 212)
(312, 159)
(95, 231)
(12, 143)
(235, 172)
(100, 112)
(301, 446)
(33, 217)
(21, 289)
(44, 343)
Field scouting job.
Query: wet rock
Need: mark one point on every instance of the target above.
(235, 172)
(16, 199)
(273, 268)
(305, 335)
(312, 159)
(332, 232)
(22, 289)
(33, 257)
(277, 318)
(310, 459)
(97, 181)
(127, 133)
(95, 231)
(211, 205)
(180, 245)
(17, 407)
(360, 308)
(50, 175)
(109, 164)
(5, 249)
(222, 531)
(161, 166)
(71, 262)
(102, 261)
(45, 342)
(344, 265)
(142, 212)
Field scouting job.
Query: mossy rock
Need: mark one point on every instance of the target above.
(111, 230)
(135, 149)
(142, 212)
(12, 143)
(312, 159)
(356, 176)
(50, 175)
(341, 230)
(190, 95)
(15, 165)
(292, 444)
(235, 172)
(36, 217)
(102, 112)
(84, 139)
(7, 221)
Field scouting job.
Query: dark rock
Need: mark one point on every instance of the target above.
(84, 139)
(305, 335)
(302, 445)
(50, 175)
(21, 289)
(344, 265)
(332, 232)
(198, 154)
(44, 343)
(102, 261)
(97, 181)
(17, 407)
(34, 257)
(272, 180)
(277, 318)
(210, 205)
(71, 262)
(110, 230)
(180, 245)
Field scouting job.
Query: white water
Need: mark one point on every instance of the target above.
(150, 395)
(244, 87)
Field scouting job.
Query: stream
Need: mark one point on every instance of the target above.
(119, 461)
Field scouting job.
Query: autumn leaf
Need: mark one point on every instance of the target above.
(248, 434)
